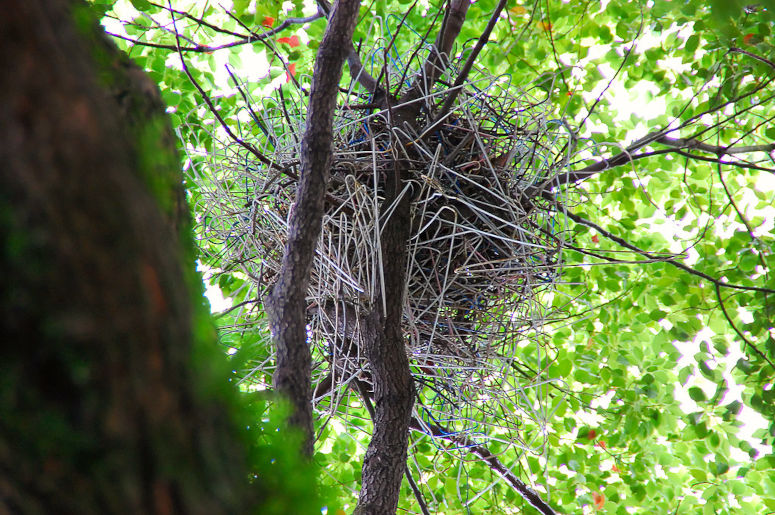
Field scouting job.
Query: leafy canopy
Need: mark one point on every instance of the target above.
(663, 373)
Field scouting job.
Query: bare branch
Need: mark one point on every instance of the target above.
(624, 243)
(694, 144)
(749, 54)
(244, 40)
(454, 91)
(247, 146)
(736, 164)
(199, 21)
(492, 461)
(630, 153)
(618, 71)
(417, 493)
(436, 62)
(739, 333)
(357, 71)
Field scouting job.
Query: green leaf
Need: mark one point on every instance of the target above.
(692, 43)
(698, 474)
(141, 5)
(697, 394)
(720, 466)
(240, 6)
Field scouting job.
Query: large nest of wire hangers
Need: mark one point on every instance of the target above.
(479, 255)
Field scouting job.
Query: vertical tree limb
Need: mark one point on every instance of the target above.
(435, 64)
(456, 88)
(286, 304)
(385, 461)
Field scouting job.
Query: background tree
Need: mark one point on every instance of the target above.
(665, 285)
(112, 399)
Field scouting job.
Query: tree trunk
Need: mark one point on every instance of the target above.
(287, 304)
(100, 408)
(383, 466)
(385, 460)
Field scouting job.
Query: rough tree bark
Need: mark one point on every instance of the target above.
(385, 460)
(101, 410)
(287, 303)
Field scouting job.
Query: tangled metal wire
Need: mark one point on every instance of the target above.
(482, 259)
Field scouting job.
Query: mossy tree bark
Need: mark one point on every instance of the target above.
(101, 409)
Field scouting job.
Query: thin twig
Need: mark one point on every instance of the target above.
(750, 54)
(247, 146)
(739, 333)
(245, 40)
(692, 144)
(492, 461)
(624, 243)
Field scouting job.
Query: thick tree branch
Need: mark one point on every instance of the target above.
(438, 60)
(286, 305)
(435, 65)
(385, 461)
(363, 391)
(454, 91)
(384, 346)
(360, 74)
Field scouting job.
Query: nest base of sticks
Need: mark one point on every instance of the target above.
(480, 251)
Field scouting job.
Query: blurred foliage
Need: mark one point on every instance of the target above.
(660, 388)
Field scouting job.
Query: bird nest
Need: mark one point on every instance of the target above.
(481, 254)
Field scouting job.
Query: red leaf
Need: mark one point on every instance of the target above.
(268, 21)
(602, 444)
(591, 434)
(293, 41)
(750, 39)
(292, 70)
(595, 238)
(598, 499)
